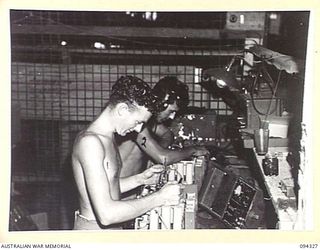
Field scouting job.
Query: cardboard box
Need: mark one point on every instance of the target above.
(278, 126)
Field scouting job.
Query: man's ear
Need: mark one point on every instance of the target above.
(122, 109)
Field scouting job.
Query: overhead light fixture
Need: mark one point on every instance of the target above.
(222, 83)
(222, 77)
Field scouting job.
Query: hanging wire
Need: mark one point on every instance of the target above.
(273, 95)
(273, 90)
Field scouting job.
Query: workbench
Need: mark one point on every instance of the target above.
(281, 189)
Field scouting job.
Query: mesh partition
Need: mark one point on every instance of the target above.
(61, 82)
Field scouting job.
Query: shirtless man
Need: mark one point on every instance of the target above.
(154, 139)
(97, 163)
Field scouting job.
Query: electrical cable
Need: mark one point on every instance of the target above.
(274, 93)
(162, 221)
(252, 90)
(252, 97)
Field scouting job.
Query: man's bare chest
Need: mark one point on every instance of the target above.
(112, 161)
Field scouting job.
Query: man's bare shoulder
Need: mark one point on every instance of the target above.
(87, 139)
(145, 133)
(162, 127)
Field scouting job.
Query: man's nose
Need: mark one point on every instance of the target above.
(138, 127)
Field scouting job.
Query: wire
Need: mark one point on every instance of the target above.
(162, 221)
(252, 97)
(270, 86)
(145, 225)
(274, 94)
(180, 175)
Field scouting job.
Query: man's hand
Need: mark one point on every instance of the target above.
(200, 151)
(171, 193)
(151, 175)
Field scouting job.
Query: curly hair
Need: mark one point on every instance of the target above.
(170, 89)
(132, 90)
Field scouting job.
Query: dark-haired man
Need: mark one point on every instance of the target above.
(97, 163)
(154, 139)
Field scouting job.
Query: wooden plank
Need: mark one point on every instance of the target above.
(122, 31)
(229, 52)
(114, 31)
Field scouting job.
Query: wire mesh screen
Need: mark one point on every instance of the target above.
(61, 82)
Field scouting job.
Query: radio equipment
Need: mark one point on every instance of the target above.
(183, 215)
(227, 196)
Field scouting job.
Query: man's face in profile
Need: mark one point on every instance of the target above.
(168, 113)
(134, 120)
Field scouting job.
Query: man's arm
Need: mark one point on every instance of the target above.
(149, 177)
(91, 156)
(164, 135)
(163, 155)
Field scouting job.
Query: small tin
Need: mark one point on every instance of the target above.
(275, 165)
(267, 165)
